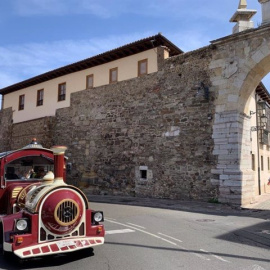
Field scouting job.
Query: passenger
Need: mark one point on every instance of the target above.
(40, 173)
(28, 174)
(10, 173)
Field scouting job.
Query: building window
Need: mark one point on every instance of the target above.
(262, 163)
(89, 81)
(40, 95)
(268, 163)
(253, 162)
(143, 174)
(61, 91)
(113, 75)
(21, 102)
(142, 67)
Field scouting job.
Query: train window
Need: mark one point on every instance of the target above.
(33, 167)
(10, 173)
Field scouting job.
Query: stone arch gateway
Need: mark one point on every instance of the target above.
(239, 63)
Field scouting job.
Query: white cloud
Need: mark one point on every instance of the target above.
(40, 7)
(103, 8)
(7, 79)
(28, 60)
(23, 61)
(107, 8)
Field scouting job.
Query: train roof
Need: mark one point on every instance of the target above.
(33, 145)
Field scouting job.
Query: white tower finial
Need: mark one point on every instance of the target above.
(242, 4)
(242, 17)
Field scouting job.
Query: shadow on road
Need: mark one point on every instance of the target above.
(257, 235)
(14, 263)
(197, 252)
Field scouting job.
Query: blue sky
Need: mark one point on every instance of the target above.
(41, 35)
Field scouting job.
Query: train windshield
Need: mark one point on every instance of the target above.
(27, 168)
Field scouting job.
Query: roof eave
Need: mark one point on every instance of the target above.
(112, 55)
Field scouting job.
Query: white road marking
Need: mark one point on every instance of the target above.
(178, 240)
(217, 257)
(119, 231)
(200, 256)
(194, 253)
(257, 267)
(163, 239)
(136, 225)
(109, 218)
(137, 229)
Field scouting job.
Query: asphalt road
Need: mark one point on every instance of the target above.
(156, 238)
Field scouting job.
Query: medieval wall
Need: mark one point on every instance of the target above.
(15, 136)
(5, 129)
(41, 128)
(149, 136)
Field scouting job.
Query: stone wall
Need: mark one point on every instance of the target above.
(233, 152)
(149, 136)
(5, 129)
(15, 136)
(42, 129)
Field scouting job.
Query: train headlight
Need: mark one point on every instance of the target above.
(22, 225)
(98, 216)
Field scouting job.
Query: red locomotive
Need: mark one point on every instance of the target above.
(40, 214)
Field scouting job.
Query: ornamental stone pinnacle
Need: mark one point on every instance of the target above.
(242, 17)
(242, 4)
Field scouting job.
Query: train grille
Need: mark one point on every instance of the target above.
(66, 212)
(15, 192)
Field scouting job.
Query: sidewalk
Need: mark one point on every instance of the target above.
(261, 203)
(191, 206)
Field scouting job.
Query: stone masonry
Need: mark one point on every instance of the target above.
(15, 136)
(149, 136)
(5, 129)
(238, 65)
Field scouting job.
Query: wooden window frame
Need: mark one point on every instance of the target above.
(40, 97)
(21, 102)
(262, 163)
(87, 77)
(62, 96)
(111, 75)
(140, 73)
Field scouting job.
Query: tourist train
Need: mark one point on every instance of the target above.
(40, 214)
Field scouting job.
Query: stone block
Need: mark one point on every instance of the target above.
(258, 56)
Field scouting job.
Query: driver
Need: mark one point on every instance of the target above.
(40, 173)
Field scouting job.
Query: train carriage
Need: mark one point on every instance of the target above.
(39, 213)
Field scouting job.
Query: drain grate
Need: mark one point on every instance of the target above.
(205, 220)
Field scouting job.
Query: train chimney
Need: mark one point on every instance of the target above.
(59, 152)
